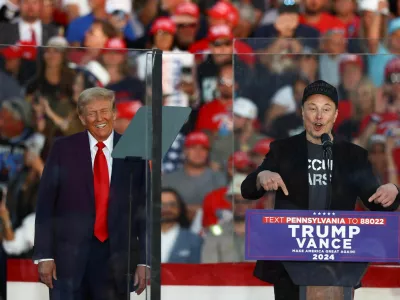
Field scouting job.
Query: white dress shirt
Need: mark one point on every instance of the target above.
(107, 150)
(24, 237)
(25, 31)
(168, 240)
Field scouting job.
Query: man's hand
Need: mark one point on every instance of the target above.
(271, 181)
(47, 271)
(142, 274)
(385, 195)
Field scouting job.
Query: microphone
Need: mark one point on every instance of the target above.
(326, 141)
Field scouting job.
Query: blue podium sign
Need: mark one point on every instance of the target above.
(306, 235)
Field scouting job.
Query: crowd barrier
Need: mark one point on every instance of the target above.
(225, 281)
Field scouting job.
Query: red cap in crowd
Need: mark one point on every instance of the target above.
(12, 52)
(115, 44)
(29, 50)
(350, 59)
(225, 11)
(164, 24)
(262, 146)
(186, 12)
(219, 32)
(127, 109)
(392, 70)
(197, 138)
(239, 160)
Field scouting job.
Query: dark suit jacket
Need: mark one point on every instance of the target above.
(10, 33)
(352, 177)
(65, 212)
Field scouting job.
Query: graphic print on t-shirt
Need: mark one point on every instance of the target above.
(317, 171)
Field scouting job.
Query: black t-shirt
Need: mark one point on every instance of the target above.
(317, 177)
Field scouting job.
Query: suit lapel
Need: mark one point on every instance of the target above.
(115, 162)
(302, 166)
(84, 158)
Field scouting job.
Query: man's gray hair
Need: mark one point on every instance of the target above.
(95, 93)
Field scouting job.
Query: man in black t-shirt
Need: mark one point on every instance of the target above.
(295, 168)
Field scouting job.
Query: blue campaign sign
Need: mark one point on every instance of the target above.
(306, 235)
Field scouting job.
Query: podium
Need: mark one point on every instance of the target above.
(325, 253)
(326, 280)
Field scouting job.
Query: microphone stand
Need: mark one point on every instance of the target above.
(328, 158)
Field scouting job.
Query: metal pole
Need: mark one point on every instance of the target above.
(156, 104)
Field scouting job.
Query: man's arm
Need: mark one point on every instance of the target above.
(47, 195)
(249, 186)
(367, 185)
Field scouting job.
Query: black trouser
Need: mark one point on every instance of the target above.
(285, 289)
(97, 283)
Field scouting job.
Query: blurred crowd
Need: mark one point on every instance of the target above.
(241, 66)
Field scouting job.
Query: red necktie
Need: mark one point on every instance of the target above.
(101, 192)
(33, 36)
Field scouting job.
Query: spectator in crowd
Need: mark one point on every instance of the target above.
(334, 44)
(242, 137)
(126, 110)
(178, 243)
(223, 13)
(187, 19)
(287, 26)
(217, 209)
(363, 103)
(75, 8)
(48, 12)
(54, 78)
(346, 11)
(29, 28)
(22, 241)
(215, 117)
(351, 70)
(195, 179)
(380, 149)
(226, 244)
(12, 56)
(114, 59)
(382, 44)
(391, 87)
(91, 75)
(221, 49)
(78, 27)
(10, 88)
(99, 32)
(315, 15)
(258, 152)
(9, 11)
(15, 131)
(285, 102)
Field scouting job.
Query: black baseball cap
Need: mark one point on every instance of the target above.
(321, 87)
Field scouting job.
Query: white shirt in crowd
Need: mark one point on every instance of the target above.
(285, 97)
(168, 240)
(24, 237)
(25, 31)
(83, 6)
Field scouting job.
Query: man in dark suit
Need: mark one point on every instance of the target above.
(82, 214)
(295, 168)
(29, 27)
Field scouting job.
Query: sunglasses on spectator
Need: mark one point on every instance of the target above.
(221, 43)
(186, 25)
(226, 81)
